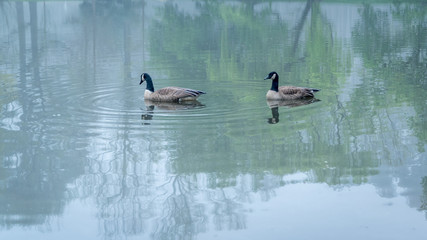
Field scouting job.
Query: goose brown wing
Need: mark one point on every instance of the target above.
(168, 91)
(178, 92)
(297, 92)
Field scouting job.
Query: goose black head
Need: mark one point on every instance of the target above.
(272, 76)
(144, 77)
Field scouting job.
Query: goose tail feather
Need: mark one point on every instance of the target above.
(195, 92)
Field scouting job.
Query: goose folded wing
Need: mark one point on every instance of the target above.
(296, 91)
(176, 92)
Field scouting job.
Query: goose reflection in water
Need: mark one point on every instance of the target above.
(148, 115)
(275, 104)
(167, 106)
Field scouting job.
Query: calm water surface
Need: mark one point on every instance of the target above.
(83, 156)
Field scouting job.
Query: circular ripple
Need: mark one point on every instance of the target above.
(104, 106)
(117, 106)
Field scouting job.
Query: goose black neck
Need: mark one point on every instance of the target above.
(275, 84)
(150, 85)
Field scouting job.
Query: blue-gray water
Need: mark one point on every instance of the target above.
(83, 156)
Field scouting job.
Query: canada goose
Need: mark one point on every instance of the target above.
(168, 94)
(287, 92)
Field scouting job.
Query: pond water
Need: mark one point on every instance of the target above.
(83, 156)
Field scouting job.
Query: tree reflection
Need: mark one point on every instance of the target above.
(35, 170)
(182, 217)
(22, 42)
(314, 59)
(179, 186)
(423, 206)
(398, 60)
(227, 213)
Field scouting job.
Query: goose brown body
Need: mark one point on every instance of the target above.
(290, 93)
(172, 94)
(168, 94)
(287, 92)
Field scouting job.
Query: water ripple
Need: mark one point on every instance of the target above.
(120, 106)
